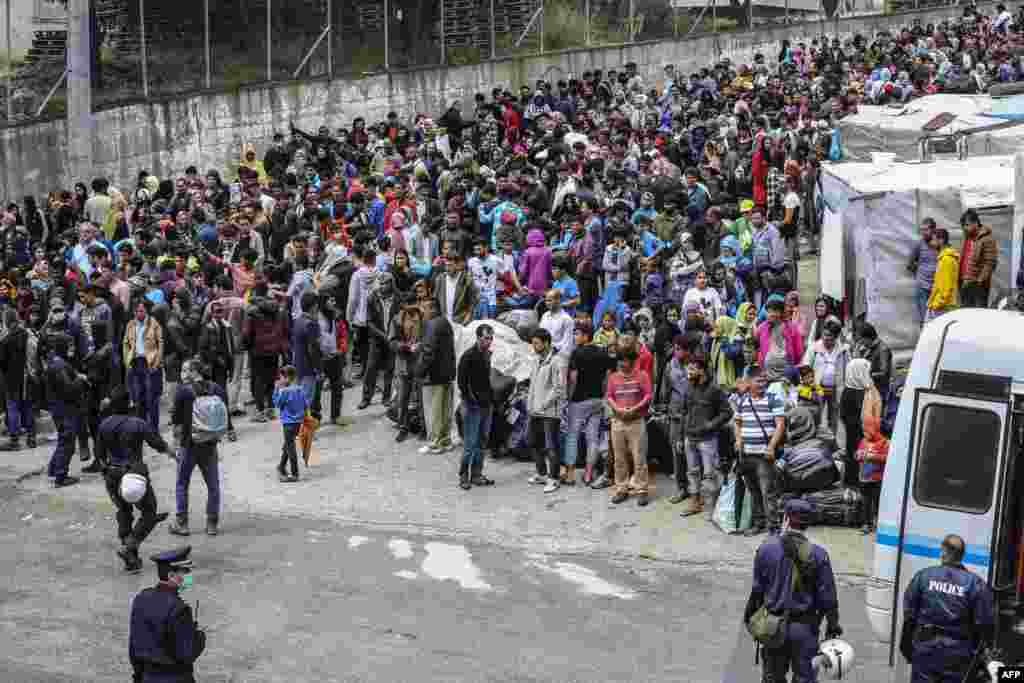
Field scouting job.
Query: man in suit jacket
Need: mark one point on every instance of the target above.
(456, 294)
(380, 309)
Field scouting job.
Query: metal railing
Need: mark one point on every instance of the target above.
(159, 48)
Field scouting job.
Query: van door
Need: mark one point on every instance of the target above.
(957, 447)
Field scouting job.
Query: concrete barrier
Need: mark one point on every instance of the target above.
(207, 129)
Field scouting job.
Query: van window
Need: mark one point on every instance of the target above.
(956, 465)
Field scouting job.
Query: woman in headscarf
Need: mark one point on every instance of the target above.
(746, 324)
(726, 353)
(860, 400)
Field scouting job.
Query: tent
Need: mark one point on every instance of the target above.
(897, 129)
(870, 225)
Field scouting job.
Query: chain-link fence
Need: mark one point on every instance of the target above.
(157, 48)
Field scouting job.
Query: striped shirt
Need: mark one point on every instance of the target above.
(767, 408)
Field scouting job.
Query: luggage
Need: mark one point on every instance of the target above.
(808, 466)
(523, 320)
(656, 444)
(841, 506)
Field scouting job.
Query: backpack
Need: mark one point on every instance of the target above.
(209, 416)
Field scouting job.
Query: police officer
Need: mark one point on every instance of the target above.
(164, 640)
(62, 384)
(813, 596)
(947, 616)
(119, 444)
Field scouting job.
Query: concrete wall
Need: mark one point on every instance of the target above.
(207, 130)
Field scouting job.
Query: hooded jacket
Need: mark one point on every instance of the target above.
(535, 266)
(945, 293)
(547, 385)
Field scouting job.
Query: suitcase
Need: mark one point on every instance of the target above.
(841, 506)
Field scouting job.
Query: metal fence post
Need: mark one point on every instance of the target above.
(330, 39)
(493, 38)
(142, 38)
(270, 67)
(387, 36)
(444, 35)
(587, 32)
(10, 68)
(542, 26)
(206, 42)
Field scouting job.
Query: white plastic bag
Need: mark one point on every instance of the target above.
(725, 508)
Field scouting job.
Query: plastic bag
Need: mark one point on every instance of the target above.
(725, 508)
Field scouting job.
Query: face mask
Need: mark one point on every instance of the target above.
(186, 583)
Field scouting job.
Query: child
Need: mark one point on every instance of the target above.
(291, 402)
(809, 393)
(606, 336)
(872, 452)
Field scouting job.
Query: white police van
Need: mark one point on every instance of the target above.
(954, 467)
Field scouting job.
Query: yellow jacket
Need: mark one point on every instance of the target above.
(945, 292)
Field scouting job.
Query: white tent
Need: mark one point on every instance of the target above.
(897, 129)
(870, 226)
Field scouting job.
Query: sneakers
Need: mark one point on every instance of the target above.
(601, 483)
(364, 404)
(232, 436)
(551, 486)
(401, 436)
(620, 498)
(93, 468)
(423, 450)
(464, 483)
(259, 417)
(64, 481)
(643, 500)
(537, 479)
(678, 498)
(212, 527)
(438, 450)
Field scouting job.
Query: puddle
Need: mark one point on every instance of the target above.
(445, 561)
(587, 579)
(356, 541)
(400, 548)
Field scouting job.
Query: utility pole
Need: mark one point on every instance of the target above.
(80, 123)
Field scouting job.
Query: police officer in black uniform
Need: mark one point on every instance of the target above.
(164, 640)
(812, 598)
(119, 444)
(947, 616)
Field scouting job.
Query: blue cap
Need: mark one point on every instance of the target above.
(798, 507)
(179, 558)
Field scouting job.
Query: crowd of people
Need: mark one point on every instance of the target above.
(643, 238)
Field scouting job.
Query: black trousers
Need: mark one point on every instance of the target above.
(588, 291)
(379, 359)
(289, 456)
(263, 375)
(220, 376)
(974, 296)
(360, 342)
(132, 532)
(333, 367)
(543, 439)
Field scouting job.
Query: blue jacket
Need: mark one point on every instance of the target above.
(162, 635)
(772, 576)
(951, 598)
(291, 403)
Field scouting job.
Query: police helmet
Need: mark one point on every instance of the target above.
(133, 487)
(835, 660)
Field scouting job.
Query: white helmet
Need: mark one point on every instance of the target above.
(835, 659)
(133, 487)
